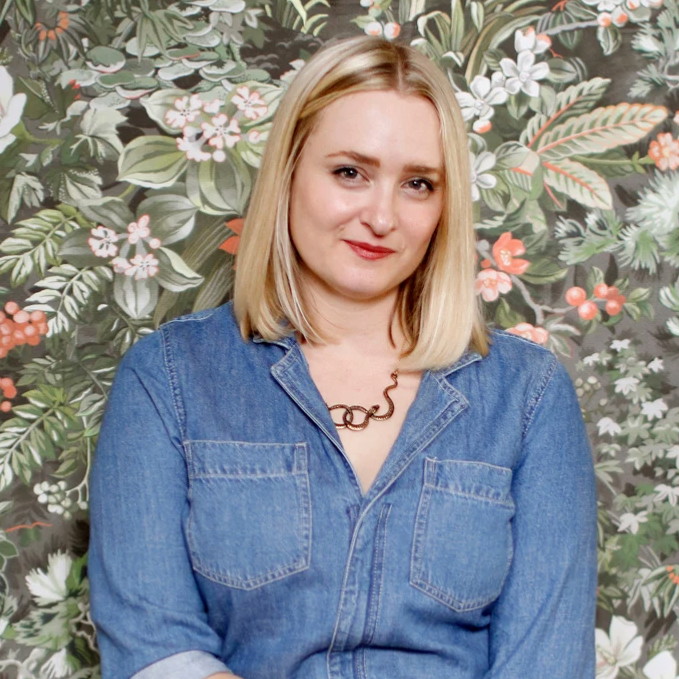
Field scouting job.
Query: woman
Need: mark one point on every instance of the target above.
(344, 475)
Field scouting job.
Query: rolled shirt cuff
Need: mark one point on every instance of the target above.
(185, 665)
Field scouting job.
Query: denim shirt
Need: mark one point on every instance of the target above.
(229, 530)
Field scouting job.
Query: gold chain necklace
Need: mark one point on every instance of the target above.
(368, 413)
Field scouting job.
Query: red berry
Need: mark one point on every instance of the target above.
(5, 406)
(588, 310)
(601, 290)
(21, 317)
(11, 308)
(575, 296)
(10, 392)
(613, 307)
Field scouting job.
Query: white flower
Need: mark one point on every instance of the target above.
(654, 409)
(478, 103)
(192, 144)
(608, 426)
(251, 103)
(524, 73)
(630, 522)
(11, 108)
(592, 359)
(626, 385)
(528, 39)
(139, 230)
(50, 586)
(661, 666)
(185, 110)
(480, 179)
(102, 241)
(142, 266)
(656, 365)
(665, 492)
(619, 345)
(120, 264)
(619, 648)
(373, 28)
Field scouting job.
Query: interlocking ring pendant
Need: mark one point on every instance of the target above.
(371, 413)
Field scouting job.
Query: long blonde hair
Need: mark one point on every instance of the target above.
(437, 306)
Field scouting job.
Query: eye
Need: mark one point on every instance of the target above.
(346, 172)
(421, 185)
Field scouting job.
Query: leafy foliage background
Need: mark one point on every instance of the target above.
(130, 134)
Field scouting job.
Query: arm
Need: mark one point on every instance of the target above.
(151, 620)
(543, 623)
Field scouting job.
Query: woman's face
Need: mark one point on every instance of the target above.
(367, 194)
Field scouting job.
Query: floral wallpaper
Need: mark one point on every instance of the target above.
(130, 134)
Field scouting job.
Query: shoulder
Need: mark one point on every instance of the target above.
(197, 335)
(516, 357)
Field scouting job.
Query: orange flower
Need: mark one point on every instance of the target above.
(230, 245)
(504, 252)
(664, 152)
(52, 33)
(531, 332)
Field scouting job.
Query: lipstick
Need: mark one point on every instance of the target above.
(369, 251)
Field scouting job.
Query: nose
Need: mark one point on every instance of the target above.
(380, 212)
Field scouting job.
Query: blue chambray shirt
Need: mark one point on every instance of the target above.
(229, 530)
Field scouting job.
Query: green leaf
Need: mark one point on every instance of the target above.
(110, 212)
(216, 188)
(602, 129)
(73, 185)
(151, 161)
(174, 273)
(25, 190)
(172, 216)
(66, 292)
(99, 132)
(137, 298)
(34, 245)
(543, 271)
(578, 183)
(609, 38)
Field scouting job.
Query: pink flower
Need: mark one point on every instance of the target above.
(185, 111)
(102, 242)
(490, 284)
(664, 151)
(392, 30)
(138, 230)
(142, 266)
(531, 332)
(251, 103)
(220, 134)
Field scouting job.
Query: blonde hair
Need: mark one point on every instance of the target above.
(437, 306)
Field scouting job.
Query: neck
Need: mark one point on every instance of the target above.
(357, 325)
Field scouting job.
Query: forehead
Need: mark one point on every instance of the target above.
(384, 124)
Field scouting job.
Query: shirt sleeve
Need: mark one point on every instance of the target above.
(543, 624)
(151, 621)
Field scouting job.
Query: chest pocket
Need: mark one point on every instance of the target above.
(250, 511)
(462, 546)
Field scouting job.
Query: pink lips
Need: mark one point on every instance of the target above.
(369, 251)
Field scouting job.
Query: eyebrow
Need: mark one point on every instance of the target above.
(374, 162)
